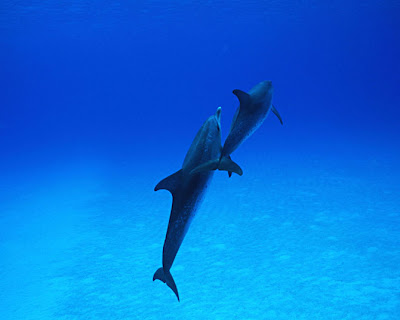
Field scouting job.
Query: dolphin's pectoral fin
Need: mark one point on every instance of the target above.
(229, 172)
(207, 166)
(273, 109)
(170, 183)
(244, 97)
(227, 164)
(166, 277)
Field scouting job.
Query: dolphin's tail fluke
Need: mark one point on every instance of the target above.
(166, 277)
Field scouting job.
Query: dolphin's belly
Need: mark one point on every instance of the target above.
(184, 207)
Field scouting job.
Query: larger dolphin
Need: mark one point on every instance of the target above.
(253, 109)
(187, 187)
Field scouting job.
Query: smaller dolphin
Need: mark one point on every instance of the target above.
(253, 109)
(188, 186)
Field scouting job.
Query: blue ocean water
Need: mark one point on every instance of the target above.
(99, 101)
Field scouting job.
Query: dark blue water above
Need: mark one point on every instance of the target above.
(101, 100)
(83, 73)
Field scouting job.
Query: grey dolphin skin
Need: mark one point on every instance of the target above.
(254, 108)
(188, 186)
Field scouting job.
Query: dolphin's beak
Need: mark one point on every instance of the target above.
(218, 114)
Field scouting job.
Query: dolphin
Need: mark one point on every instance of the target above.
(253, 109)
(188, 186)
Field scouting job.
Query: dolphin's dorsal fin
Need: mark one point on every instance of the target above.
(170, 183)
(244, 98)
(273, 109)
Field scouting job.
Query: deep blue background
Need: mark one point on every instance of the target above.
(100, 100)
(134, 79)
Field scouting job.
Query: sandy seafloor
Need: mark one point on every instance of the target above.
(296, 237)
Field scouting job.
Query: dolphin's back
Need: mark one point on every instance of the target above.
(254, 108)
(188, 188)
(184, 207)
(206, 145)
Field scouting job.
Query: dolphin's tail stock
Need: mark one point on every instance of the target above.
(166, 277)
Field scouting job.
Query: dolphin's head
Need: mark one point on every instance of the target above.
(213, 124)
(214, 134)
(214, 129)
(218, 118)
(216, 125)
(267, 87)
(206, 145)
(262, 92)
